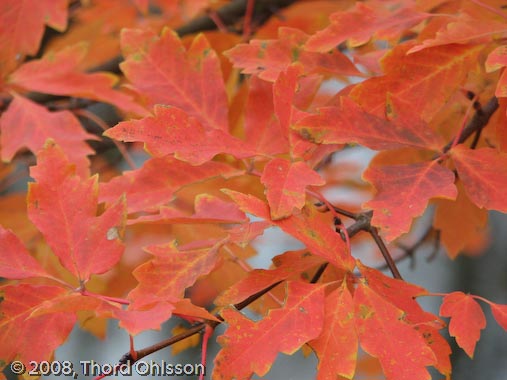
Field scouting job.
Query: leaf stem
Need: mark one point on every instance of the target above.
(464, 122)
(120, 301)
(247, 27)
(330, 207)
(97, 120)
(385, 252)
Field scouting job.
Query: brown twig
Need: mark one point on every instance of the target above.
(128, 358)
(385, 252)
(478, 121)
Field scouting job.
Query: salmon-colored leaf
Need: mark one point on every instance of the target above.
(288, 264)
(157, 181)
(425, 79)
(73, 302)
(186, 308)
(267, 58)
(460, 222)
(22, 26)
(500, 314)
(262, 128)
(244, 233)
(59, 74)
(440, 348)
(284, 91)
(171, 271)
(172, 131)
(317, 235)
(403, 192)
(359, 24)
(466, 29)
(483, 172)
(63, 206)
(148, 317)
(400, 293)
(348, 123)
(208, 209)
(336, 348)
(282, 330)
(496, 60)
(17, 328)
(467, 319)
(163, 71)
(15, 260)
(27, 124)
(285, 183)
(385, 334)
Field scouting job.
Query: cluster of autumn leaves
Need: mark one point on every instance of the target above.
(223, 148)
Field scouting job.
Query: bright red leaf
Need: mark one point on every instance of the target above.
(385, 334)
(361, 23)
(500, 314)
(403, 192)
(27, 124)
(454, 235)
(285, 183)
(284, 91)
(400, 293)
(171, 271)
(63, 206)
(348, 122)
(466, 29)
(270, 57)
(59, 74)
(440, 348)
(467, 319)
(157, 181)
(287, 265)
(483, 172)
(15, 260)
(282, 330)
(497, 59)
(164, 72)
(208, 209)
(171, 130)
(425, 79)
(17, 328)
(262, 128)
(317, 235)
(22, 26)
(147, 317)
(336, 348)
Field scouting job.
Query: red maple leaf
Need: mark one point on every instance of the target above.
(283, 330)
(467, 319)
(63, 206)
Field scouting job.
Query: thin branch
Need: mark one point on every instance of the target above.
(409, 252)
(464, 123)
(385, 252)
(320, 271)
(128, 357)
(247, 23)
(362, 223)
(196, 329)
(102, 125)
(479, 121)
